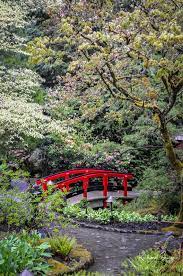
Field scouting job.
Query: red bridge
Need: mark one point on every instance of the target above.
(69, 180)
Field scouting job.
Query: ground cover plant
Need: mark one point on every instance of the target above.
(165, 258)
(23, 252)
(154, 262)
(41, 256)
(105, 215)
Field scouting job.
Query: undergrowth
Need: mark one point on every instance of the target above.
(118, 215)
(154, 262)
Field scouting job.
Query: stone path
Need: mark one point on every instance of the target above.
(110, 249)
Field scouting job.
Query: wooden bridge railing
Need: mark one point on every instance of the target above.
(84, 175)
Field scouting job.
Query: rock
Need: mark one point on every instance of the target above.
(22, 185)
(37, 161)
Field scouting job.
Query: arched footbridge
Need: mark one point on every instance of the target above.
(92, 184)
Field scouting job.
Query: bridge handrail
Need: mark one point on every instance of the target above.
(67, 182)
(66, 174)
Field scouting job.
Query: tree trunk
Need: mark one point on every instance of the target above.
(180, 216)
(177, 165)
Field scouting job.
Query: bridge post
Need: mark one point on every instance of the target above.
(67, 187)
(105, 190)
(125, 187)
(44, 185)
(66, 176)
(85, 187)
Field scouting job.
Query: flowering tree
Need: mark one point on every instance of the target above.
(12, 24)
(22, 109)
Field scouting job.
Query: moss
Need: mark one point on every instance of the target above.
(81, 259)
(177, 264)
(153, 210)
(80, 252)
(58, 268)
(174, 228)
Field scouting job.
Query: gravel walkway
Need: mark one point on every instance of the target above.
(110, 249)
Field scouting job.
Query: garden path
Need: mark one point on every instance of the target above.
(109, 248)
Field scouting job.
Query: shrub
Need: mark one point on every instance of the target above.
(23, 252)
(16, 209)
(62, 245)
(153, 262)
(7, 174)
(50, 210)
(161, 202)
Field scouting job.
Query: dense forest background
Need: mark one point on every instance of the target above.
(93, 84)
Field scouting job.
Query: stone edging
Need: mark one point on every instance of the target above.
(118, 230)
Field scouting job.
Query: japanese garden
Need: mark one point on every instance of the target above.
(91, 137)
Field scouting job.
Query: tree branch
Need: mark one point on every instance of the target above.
(173, 96)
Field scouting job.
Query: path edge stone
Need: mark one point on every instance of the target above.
(115, 229)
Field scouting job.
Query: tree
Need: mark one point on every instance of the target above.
(132, 56)
(23, 119)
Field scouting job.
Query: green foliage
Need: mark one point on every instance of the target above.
(140, 203)
(100, 91)
(114, 56)
(22, 112)
(16, 209)
(62, 245)
(23, 252)
(7, 174)
(83, 204)
(20, 82)
(153, 262)
(104, 215)
(159, 202)
(12, 24)
(49, 210)
(155, 179)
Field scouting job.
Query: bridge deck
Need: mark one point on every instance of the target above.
(97, 195)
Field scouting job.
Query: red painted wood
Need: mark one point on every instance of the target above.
(83, 175)
(105, 190)
(92, 175)
(73, 172)
(66, 176)
(44, 186)
(125, 186)
(85, 187)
